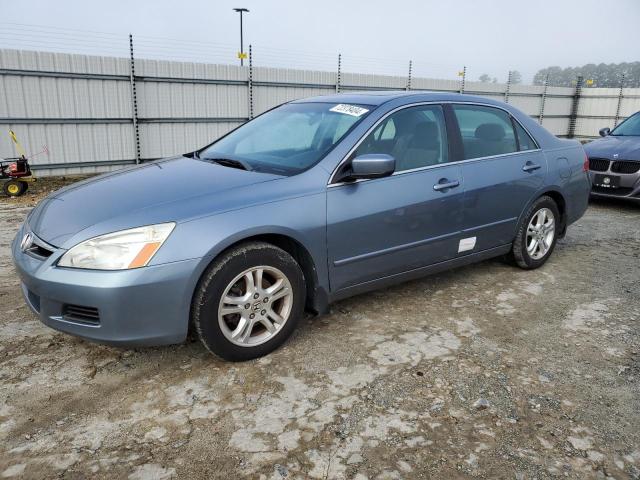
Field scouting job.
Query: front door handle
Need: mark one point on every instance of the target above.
(444, 184)
(530, 167)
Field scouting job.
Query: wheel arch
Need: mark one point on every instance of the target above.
(561, 202)
(557, 197)
(316, 294)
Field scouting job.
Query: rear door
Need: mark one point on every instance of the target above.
(503, 169)
(386, 226)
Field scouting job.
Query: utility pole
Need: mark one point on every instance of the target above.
(241, 54)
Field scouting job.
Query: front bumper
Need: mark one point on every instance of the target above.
(139, 307)
(629, 186)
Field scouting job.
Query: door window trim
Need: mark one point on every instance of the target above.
(331, 184)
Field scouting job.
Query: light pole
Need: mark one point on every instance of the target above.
(241, 54)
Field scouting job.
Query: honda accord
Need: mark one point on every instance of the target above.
(311, 202)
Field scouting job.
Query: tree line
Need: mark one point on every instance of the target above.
(601, 75)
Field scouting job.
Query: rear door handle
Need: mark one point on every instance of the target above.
(530, 167)
(444, 184)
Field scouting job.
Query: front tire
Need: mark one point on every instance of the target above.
(249, 301)
(15, 188)
(537, 234)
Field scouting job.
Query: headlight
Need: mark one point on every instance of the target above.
(119, 250)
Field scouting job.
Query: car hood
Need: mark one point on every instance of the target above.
(158, 187)
(627, 148)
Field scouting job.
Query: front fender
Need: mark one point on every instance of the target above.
(302, 219)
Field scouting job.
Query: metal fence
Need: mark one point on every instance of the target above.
(98, 113)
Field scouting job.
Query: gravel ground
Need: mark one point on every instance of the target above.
(486, 371)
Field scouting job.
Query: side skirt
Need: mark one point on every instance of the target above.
(419, 272)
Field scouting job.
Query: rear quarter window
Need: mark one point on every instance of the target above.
(524, 139)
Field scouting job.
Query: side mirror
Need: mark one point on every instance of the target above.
(604, 131)
(372, 165)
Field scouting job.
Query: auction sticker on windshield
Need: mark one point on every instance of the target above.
(352, 110)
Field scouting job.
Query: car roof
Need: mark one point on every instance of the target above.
(378, 97)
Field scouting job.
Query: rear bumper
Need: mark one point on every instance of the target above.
(140, 307)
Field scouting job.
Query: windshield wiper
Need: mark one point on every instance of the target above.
(230, 162)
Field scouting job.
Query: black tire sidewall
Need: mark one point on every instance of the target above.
(216, 279)
(22, 187)
(520, 253)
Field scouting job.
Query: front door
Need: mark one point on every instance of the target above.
(381, 227)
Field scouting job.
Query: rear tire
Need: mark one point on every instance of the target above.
(248, 301)
(537, 234)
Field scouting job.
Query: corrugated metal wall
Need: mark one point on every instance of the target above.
(81, 106)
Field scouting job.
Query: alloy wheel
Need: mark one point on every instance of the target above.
(255, 306)
(540, 233)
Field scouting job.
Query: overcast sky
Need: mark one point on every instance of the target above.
(490, 36)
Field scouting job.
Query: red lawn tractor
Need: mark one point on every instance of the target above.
(15, 173)
(15, 176)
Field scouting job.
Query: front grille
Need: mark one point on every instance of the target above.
(39, 251)
(625, 167)
(38, 248)
(621, 192)
(598, 164)
(80, 314)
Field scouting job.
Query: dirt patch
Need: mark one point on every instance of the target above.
(39, 189)
(487, 371)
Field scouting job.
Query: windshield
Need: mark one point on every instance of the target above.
(287, 139)
(630, 127)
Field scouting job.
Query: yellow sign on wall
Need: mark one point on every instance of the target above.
(242, 55)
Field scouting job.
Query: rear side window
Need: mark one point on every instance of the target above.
(524, 139)
(485, 131)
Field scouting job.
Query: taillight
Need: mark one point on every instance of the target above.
(585, 165)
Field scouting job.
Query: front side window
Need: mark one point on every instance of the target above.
(485, 131)
(416, 137)
(288, 139)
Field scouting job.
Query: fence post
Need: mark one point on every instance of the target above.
(574, 108)
(250, 83)
(409, 77)
(620, 97)
(507, 91)
(464, 77)
(543, 99)
(134, 102)
(338, 79)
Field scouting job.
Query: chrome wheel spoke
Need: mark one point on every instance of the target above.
(231, 310)
(271, 328)
(280, 293)
(229, 300)
(275, 317)
(249, 282)
(243, 330)
(275, 287)
(258, 274)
